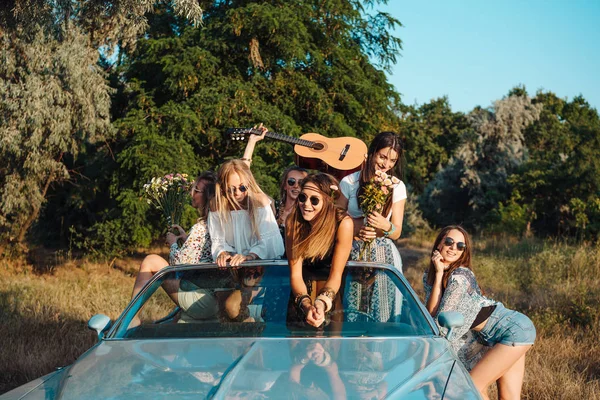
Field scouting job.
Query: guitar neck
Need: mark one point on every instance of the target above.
(290, 139)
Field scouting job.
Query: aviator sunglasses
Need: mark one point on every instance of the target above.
(292, 181)
(459, 245)
(314, 200)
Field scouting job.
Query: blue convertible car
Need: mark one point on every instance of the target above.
(199, 331)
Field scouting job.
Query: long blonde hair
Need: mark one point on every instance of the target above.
(224, 202)
(314, 241)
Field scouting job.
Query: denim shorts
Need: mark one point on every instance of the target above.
(507, 327)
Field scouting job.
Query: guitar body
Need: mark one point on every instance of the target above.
(343, 153)
(319, 165)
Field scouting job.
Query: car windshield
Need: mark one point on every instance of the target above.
(255, 301)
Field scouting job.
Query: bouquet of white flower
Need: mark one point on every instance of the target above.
(374, 197)
(169, 194)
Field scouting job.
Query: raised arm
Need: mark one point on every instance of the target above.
(252, 140)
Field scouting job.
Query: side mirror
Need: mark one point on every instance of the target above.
(99, 323)
(450, 320)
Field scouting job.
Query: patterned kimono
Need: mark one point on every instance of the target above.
(463, 295)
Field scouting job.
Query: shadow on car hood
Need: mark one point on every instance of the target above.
(231, 368)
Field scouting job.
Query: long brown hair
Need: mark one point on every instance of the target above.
(463, 261)
(314, 241)
(209, 192)
(381, 141)
(224, 202)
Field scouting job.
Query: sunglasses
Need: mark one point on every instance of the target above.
(459, 245)
(196, 190)
(314, 200)
(292, 181)
(242, 188)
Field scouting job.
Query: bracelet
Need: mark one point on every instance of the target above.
(328, 292)
(392, 230)
(246, 159)
(326, 300)
(299, 298)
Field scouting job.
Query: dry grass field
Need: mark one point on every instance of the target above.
(45, 304)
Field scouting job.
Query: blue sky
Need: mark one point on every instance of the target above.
(476, 51)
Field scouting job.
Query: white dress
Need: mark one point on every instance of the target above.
(234, 234)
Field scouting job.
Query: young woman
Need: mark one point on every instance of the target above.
(289, 189)
(290, 180)
(384, 152)
(381, 229)
(196, 245)
(241, 222)
(318, 236)
(450, 285)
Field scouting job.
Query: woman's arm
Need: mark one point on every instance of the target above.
(252, 140)
(435, 297)
(433, 302)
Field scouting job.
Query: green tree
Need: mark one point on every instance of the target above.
(295, 66)
(54, 98)
(560, 182)
(431, 135)
(50, 107)
(470, 188)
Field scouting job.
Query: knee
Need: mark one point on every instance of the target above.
(153, 263)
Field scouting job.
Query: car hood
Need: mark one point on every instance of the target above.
(231, 368)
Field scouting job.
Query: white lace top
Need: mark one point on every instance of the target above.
(349, 187)
(195, 249)
(235, 234)
(462, 294)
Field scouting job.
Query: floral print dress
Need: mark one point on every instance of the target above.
(196, 248)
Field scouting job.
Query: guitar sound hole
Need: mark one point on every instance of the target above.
(318, 146)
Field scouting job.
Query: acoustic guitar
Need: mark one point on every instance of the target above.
(337, 156)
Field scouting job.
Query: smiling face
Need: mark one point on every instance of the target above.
(293, 177)
(310, 202)
(385, 159)
(450, 252)
(236, 188)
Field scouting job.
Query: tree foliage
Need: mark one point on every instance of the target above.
(560, 183)
(431, 135)
(51, 105)
(470, 188)
(296, 66)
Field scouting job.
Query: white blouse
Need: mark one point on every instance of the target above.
(349, 187)
(235, 234)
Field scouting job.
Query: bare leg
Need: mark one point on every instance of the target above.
(510, 384)
(150, 266)
(495, 364)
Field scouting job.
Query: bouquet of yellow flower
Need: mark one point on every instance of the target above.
(169, 194)
(375, 194)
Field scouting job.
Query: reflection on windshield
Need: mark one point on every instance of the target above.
(255, 301)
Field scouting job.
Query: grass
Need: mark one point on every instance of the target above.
(46, 302)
